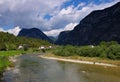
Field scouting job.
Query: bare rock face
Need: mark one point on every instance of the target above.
(100, 25)
(62, 38)
(34, 33)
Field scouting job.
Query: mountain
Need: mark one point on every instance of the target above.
(62, 38)
(34, 33)
(100, 25)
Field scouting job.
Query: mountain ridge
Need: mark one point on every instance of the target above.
(99, 25)
(34, 33)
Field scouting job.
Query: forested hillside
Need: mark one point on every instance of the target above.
(11, 42)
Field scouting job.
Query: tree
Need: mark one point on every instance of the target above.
(2, 46)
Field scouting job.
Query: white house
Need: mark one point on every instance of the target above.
(20, 47)
(41, 47)
(92, 46)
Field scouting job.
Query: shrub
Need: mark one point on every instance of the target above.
(3, 46)
(109, 50)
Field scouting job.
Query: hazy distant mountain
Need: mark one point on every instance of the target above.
(53, 38)
(100, 25)
(34, 33)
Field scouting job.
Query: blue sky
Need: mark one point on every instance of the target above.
(51, 16)
(76, 2)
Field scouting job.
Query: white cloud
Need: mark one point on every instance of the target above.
(1, 29)
(15, 30)
(70, 26)
(28, 13)
(66, 11)
(56, 32)
(81, 5)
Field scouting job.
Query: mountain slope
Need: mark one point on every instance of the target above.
(101, 25)
(34, 33)
(53, 38)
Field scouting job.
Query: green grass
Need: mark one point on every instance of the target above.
(4, 59)
(10, 53)
(4, 62)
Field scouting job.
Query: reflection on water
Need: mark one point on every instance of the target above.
(30, 68)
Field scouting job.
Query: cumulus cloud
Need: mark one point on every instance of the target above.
(28, 13)
(56, 32)
(14, 30)
(32, 13)
(53, 32)
(70, 26)
(2, 30)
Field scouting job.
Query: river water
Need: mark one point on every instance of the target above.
(31, 68)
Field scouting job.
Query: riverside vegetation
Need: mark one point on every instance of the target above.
(4, 59)
(109, 50)
(105, 52)
(9, 47)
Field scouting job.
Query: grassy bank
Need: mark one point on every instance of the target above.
(4, 57)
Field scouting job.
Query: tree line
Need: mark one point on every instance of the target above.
(110, 50)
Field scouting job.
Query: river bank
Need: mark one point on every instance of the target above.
(47, 70)
(82, 60)
(8, 58)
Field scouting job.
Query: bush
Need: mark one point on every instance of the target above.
(109, 50)
(3, 47)
(65, 51)
(11, 46)
(114, 52)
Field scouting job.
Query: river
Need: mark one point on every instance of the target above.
(31, 68)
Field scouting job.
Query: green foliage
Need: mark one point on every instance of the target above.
(65, 51)
(3, 46)
(11, 46)
(103, 43)
(3, 64)
(110, 50)
(4, 59)
(10, 53)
